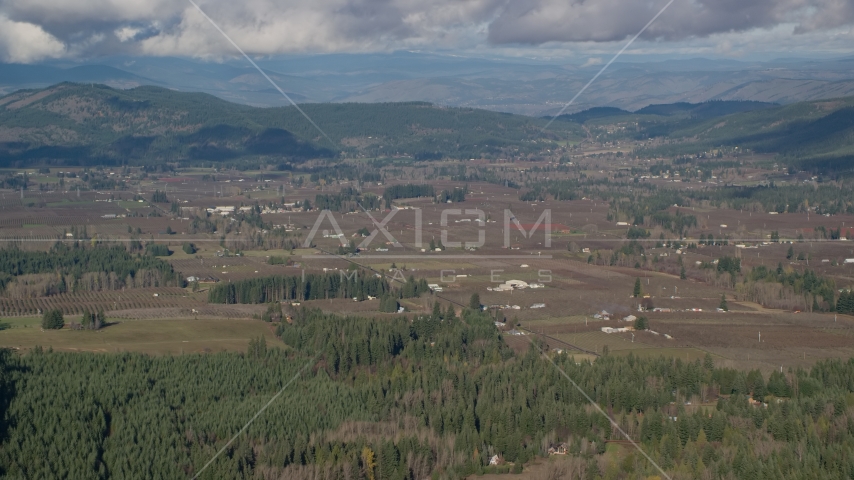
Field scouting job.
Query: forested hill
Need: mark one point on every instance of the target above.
(86, 124)
(816, 136)
(674, 112)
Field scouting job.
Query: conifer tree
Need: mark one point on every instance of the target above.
(451, 313)
(53, 320)
(474, 301)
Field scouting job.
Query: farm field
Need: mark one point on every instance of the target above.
(156, 337)
(78, 302)
(596, 341)
(578, 279)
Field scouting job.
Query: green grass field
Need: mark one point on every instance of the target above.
(265, 253)
(535, 324)
(44, 179)
(594, 341)
(69, 203)
(157, 337)
(131, 204)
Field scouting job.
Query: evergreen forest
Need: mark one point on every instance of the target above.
(411, 398)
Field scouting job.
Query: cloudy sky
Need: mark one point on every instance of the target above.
(35, 30)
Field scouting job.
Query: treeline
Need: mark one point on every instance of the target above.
(845, 304)
(411, 289)
(159, 197)
(644, 204)
(90, 321)
(313, 286)
(456, 195)
(675, 222)
(818, 291)
(414, 288)
(347, 200)
(402, 398)
(157, 250)
(570, 189)
(15, 182)
(824, 198)
(556, 189)
(80, 268)
(410, 190)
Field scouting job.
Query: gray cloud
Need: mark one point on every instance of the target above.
(174, 27)
(541, 21)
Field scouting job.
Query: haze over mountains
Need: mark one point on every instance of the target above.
(524, 86)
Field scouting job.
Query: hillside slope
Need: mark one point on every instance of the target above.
(817, 135)
(85, 124)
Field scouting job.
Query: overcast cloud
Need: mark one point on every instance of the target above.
(31, 30)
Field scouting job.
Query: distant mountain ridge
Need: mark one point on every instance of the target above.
(711, 109)
(517, 85)
(702, 111)
(15, 74)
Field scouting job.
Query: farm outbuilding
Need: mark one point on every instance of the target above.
(509, 285)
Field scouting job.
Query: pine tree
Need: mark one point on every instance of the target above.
(638, 290)
(474, 301)
(53, 320)
(701, 437)
(451, 313)
(723, 305)
(708, 362)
